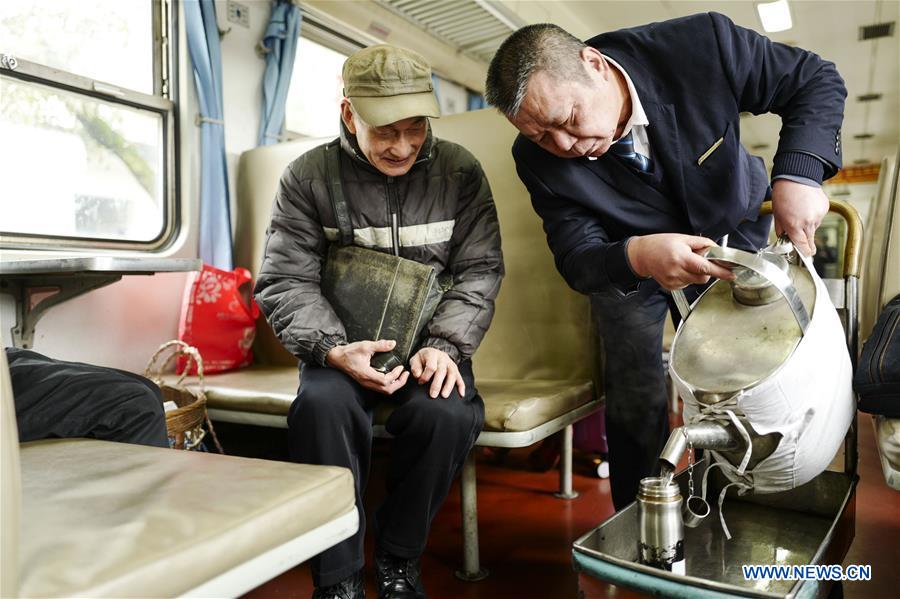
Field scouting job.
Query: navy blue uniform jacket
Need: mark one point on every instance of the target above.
(694, 76)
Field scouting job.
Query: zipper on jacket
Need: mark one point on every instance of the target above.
(394, 205)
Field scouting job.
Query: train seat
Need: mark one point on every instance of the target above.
(880, 283)
(91, 518)
(263, 395)
(535, 369)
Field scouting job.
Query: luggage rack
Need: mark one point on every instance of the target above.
(811, 524)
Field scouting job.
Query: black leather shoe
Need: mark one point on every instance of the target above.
(352, 587)
(398, 578)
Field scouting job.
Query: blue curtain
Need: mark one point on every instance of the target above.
(476, 101)
(436, 84)
(206, 57)
(280, 43)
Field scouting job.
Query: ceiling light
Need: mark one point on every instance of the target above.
(775, 16)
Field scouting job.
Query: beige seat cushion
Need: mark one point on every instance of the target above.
(515, 406)
(887, 436)
(510, 406)
(110, 519)
(257, 389)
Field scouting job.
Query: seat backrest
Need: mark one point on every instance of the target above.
(876, 266)
(10, 487)
(259, 171)
(890, 285)
(541, 328)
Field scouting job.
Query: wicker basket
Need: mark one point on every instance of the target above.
(185, 423)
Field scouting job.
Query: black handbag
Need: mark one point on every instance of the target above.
(877, 378)
(376, 295)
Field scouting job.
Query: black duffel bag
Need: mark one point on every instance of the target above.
(877, 378)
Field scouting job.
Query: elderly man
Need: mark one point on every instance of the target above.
(630, 149)
(421, 198)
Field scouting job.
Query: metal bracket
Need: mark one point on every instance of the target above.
(66, 287)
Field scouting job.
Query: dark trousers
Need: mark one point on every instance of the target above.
(69, 399)
(329, 423)
(637, 422)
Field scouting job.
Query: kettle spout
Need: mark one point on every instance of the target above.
(702, 435)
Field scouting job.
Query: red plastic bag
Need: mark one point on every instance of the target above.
(218, 319)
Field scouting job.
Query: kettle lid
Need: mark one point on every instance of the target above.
(727, 343)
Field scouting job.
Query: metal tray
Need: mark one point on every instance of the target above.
(812, 524)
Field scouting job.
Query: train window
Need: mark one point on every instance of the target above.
(452, 97)
(87, 167)
(317, 87)
(78, 39)
(316, 90)
(87, 124)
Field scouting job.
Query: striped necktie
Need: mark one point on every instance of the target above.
(624, 149)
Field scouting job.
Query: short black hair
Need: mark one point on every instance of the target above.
(540, 47)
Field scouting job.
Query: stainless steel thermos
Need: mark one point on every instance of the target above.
(661, 542)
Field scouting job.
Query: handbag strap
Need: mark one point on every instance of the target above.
(336, 192)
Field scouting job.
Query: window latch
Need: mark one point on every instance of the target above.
(8, 62)
(109, 90)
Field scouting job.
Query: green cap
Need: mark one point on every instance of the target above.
(386, 84)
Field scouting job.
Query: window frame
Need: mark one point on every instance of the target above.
(315, 30)
(165, 87)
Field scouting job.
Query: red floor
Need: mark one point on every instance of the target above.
(526, 533)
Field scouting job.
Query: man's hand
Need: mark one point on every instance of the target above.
(353, 359)
(430, 364)
(672, 259)
(798, 210)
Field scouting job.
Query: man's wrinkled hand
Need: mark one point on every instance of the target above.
(354, 360)
(798, 210)
(431, 364)
(673, 259)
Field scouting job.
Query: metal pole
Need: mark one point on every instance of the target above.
(565, 466)
(472, 570)
(851, 305)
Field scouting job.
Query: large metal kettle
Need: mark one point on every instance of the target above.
(739, 334)
(763, 368)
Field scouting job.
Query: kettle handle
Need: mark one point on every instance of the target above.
(762, 267)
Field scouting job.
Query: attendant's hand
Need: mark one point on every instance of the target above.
(354, 360)
(431, 364)
(798, 210)
(672, 259)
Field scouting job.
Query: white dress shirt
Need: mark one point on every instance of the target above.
(638, 122)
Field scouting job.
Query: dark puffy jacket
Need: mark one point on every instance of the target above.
(447, 219)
